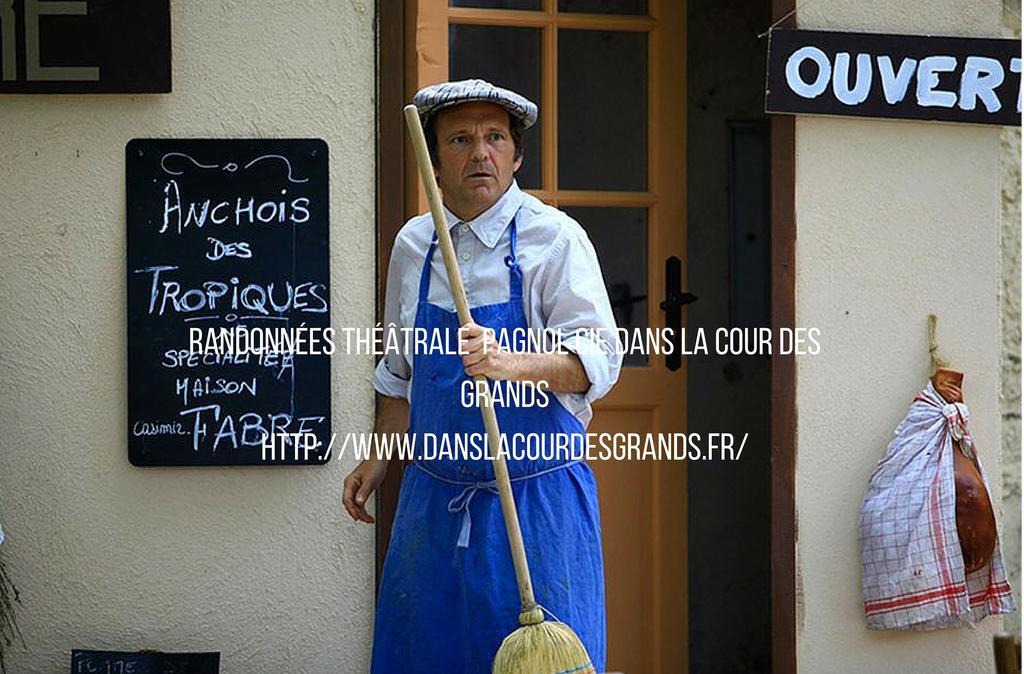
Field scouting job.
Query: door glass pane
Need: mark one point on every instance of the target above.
(602, 110)
(497, 4)
(620, 237)
(604, 6)
(505, 57)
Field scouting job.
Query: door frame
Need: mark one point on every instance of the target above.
(395, 24)
(782, 401)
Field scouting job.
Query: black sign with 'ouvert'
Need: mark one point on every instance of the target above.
(226, 236)
(951, 79)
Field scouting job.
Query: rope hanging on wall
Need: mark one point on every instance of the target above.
(938, 363)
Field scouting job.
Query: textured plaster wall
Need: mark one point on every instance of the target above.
(260, 564)
(1010, 314)
(894, 220)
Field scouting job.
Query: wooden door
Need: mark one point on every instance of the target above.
(609, 148)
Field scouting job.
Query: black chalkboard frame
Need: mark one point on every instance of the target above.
(150, 165)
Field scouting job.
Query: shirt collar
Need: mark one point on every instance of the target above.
(491, 224)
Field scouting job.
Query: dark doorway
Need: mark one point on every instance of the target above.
(729, 268)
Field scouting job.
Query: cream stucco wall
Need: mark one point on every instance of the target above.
(1009, 301)
(894, 220)
(260, 564)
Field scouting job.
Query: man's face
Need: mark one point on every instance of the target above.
(475, 156)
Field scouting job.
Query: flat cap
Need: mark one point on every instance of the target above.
(429, 100)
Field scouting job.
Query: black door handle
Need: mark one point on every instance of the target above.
(672, 305)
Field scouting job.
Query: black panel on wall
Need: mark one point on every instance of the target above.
(85, 46)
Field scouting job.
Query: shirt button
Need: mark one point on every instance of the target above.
(465, 257)
(464, 228)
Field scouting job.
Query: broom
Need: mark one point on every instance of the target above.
(538, 646)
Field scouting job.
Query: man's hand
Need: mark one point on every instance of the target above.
(481, 354)
(392, 417)
(358, 486)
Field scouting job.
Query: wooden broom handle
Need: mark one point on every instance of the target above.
(508, 504)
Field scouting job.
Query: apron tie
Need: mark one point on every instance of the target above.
(461, 504)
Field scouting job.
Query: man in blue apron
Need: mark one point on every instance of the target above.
(448, 592)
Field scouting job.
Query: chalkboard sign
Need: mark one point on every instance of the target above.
(228, 242)
(112, 662)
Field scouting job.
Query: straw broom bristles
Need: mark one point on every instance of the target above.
(542, 647)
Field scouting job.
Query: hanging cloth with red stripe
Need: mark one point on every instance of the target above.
(914, 575)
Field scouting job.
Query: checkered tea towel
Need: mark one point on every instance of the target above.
(912, 570)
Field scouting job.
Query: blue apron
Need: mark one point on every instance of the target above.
(448, 593)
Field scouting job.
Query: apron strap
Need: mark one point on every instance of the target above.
(515, 275)
(425, 272)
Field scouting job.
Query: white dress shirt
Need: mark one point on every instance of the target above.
(563, 288)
